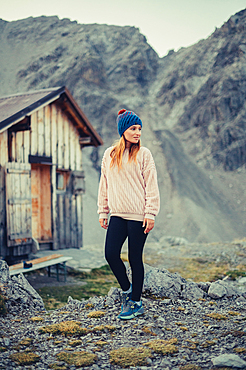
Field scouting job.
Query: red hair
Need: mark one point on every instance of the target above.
(118, 150)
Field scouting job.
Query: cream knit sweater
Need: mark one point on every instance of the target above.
(131, 192)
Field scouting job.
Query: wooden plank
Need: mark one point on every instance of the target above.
(79, 208)
(20, 201)
(17, 207)
(54, 133)
(34, 134)
(19, 155)
(66, 143)
(45, 203)
(78, 155)
(13, 146)
(54, 207)
(3, 249)
(41, 265)
(60, 140)
(67, 220)
(27, 187)
(47, 130)
(72, 148)
(74, 243)
(40, 115)
(36, 260)
(60, 221)
(26, 146)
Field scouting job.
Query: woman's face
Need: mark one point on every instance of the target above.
(132, 134)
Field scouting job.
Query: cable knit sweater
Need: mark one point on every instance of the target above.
(131, 192)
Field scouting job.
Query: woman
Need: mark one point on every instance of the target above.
(128, 189)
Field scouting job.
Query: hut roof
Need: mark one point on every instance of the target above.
(15, 108)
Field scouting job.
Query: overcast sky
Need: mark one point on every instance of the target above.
(167, 24)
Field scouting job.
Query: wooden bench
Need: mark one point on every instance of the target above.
(57, 260)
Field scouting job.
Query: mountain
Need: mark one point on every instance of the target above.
(191, 102)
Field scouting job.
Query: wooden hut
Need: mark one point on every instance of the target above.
(42, 134)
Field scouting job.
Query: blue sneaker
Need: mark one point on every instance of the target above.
(125, 298)
(132, 310)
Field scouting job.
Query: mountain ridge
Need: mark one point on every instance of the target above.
(190, 101)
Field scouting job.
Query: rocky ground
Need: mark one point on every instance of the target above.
(172, 334)
(186, 325)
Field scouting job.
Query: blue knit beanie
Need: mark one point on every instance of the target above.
(127, 119)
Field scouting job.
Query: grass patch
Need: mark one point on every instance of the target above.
(129, 356)
(163, 346)
(67, 328)
(234, 274)
(201, 270)
(3, 308)
(79, 359)
(217, 316)
(24, 358)
(98, 283)
(25, 342)
(96, 314)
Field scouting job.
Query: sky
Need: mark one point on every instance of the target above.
(167, 24)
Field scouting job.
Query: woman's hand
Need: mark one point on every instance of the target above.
(149, 225)
(103, 222)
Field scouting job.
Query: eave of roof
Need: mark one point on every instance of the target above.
(45, 97)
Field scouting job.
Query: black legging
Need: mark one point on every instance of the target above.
(118, 230)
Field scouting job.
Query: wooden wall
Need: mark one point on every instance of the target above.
(52, 135)
(3, 160)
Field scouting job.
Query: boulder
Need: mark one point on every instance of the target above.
(221, 288)
(19, 294)
(162, 283)
(229, 360)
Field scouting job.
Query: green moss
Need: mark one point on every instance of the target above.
(24, 358)
(129, 356)
(79, 359)
(234, 274)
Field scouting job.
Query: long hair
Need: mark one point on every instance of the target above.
(118, 150)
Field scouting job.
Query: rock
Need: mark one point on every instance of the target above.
(192, 291)
(20, 295)
(4, 272)
(242, 280)
(220, 288)
(173, 240)
(229, 360)
(204, 286)
(161, 283)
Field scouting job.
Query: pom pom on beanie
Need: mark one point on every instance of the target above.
(127, 119)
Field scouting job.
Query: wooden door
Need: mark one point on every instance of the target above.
(41, 202)
(18, 204)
